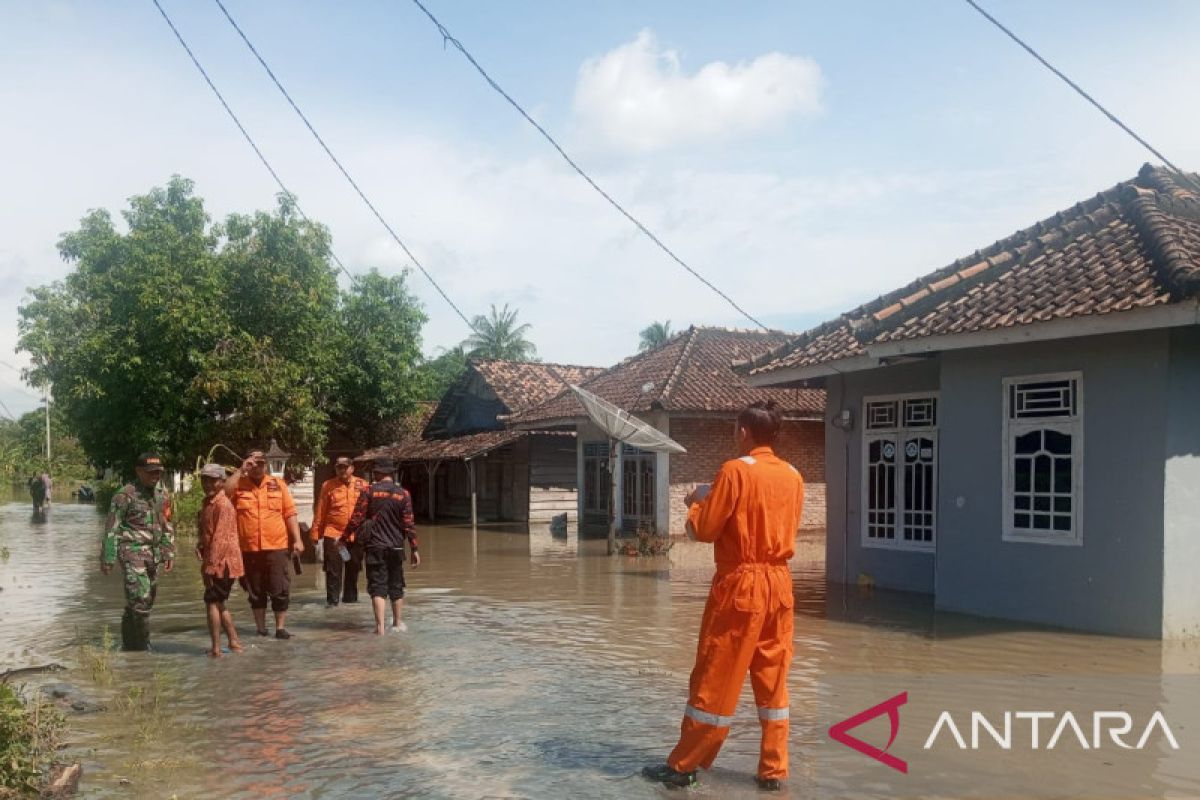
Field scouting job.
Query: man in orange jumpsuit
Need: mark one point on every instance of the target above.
(335, 503)
(751, 515)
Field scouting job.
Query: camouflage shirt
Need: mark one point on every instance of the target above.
(139, 521)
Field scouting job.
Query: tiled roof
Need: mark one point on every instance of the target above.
(471, 445)
(691, 372)
(1135, 245)
(523, 384)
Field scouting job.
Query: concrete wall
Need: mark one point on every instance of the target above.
(846, 557)
(1181, 489)
(1112, 582)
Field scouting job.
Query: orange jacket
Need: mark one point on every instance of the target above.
(335, 503)
(752, 512)
(261, 511)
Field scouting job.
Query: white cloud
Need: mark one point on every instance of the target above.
(638, 98)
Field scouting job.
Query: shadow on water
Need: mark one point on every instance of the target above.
(535, 666)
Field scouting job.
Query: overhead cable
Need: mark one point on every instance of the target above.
(245, 134)
(448, 38)
(1079, 90)
(345, 173)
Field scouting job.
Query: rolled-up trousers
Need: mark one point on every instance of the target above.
(747, 627)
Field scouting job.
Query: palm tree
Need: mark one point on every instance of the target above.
(655, 334)
(499, 336)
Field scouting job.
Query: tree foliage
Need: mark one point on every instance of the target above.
(440, 372)
(499, 336)
(654, 335)
(177, 333)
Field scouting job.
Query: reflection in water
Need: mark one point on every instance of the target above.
(535, 666)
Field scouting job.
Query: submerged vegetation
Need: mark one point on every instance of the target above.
(30, 734)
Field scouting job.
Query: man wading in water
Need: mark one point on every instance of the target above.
(139, 535)
(386, 505)
(266, 519)
(751, 514)
(221, 560)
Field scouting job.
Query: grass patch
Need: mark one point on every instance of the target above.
(97, 658)
(30, 734)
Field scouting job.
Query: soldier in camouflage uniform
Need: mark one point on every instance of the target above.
(140, 536)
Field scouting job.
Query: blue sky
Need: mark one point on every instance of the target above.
(805, 156)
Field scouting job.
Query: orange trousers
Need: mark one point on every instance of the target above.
(747, 626)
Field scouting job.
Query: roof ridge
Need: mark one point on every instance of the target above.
(684, 354)
(1176, 266)
(930, 289)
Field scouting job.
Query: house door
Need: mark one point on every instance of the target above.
(637, 489)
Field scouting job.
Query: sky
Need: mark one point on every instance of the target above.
(803, 156)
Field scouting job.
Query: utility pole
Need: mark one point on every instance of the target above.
(46, 397)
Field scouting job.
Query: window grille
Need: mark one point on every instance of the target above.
(900, 472)
(1043, 453)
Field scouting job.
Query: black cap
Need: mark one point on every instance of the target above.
(151, 461)
(384, 465)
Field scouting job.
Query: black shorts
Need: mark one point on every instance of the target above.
(267, 578)
(216, 590)
(385, 573)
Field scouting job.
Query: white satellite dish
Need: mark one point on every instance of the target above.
(621, 426)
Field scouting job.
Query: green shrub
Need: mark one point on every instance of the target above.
(29, 738)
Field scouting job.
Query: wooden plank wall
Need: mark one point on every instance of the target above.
(552, 479)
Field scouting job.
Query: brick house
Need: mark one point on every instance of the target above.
(687, 389)
(462, 451)
(1018, 433)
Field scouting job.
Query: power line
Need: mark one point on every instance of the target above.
(345, 173)
(6, 411)
(448, 38)
(1079, 90)
(245, 133)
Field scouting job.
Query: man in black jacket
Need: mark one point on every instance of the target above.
(387, 506)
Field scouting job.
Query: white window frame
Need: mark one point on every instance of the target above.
(1011, 429)
(898, 434)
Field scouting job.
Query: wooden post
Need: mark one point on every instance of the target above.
(471, 478)
(612, 496)
(431, 468)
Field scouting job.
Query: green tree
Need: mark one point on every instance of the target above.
(440, 372)
(499, 336)
(380, 378)
(653, 335)
(177, 333)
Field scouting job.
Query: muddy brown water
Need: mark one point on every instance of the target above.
(538, 667)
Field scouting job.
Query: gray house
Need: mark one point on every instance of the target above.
(1019, 433)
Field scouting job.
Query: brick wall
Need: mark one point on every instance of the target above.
(709, 443)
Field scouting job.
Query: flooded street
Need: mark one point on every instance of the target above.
(537, 667)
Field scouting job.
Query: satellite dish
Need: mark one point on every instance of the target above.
(619, 424)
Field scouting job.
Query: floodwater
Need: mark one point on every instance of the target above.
(538, 667)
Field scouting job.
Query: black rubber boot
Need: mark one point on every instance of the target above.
(769, 784)
(670, 777)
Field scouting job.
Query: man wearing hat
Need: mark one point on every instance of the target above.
(220, 557)
(335, 503)
(388, 507)
(268, 534)
(139, 536)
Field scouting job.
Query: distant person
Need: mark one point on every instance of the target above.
(335, 504)
(139, 535)
(382, 522)
(37, 493)
(220, 556)
(751, 515)
(266, 519)
(49, 484)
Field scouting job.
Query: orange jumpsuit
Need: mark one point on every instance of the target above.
(751, 515)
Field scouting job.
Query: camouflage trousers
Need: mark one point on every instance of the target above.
(141, 579)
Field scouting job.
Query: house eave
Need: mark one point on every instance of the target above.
(1139, 319)
(790, 375)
